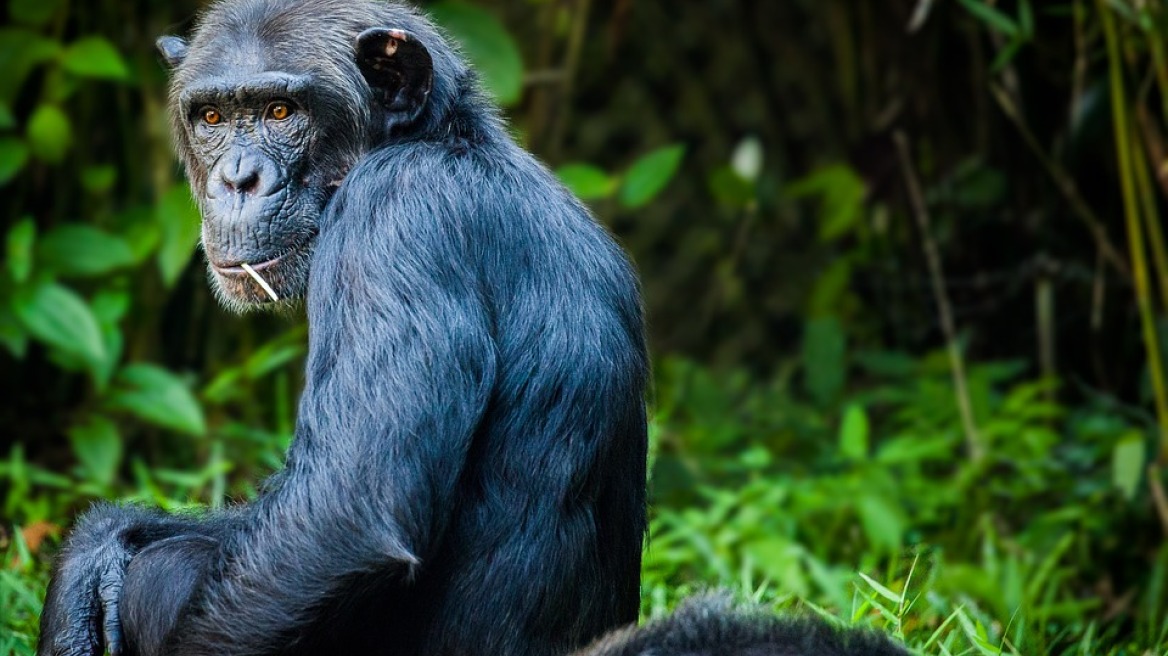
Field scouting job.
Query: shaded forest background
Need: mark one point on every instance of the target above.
(903, 262)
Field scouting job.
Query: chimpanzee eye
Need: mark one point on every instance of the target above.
(279, 111)
(211, 116)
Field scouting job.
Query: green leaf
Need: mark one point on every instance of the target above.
(586, 181)
(1127, 464)
(994, 18)
(487, 44)
(155, 395)
(824, 351)
(94, 57)
(913, 449)
(98, 448)
(33, 12)
(841, 192)
(110, 305)
(60, 86)
(887, 364)
(58, 317)
(271, 356)
(979, 188)
(99, 179)
(881, 590)
(781, 561)
(1006, 55)
(729, 188)
(12, 335)
(650, 174)
(19, 248)
(114, 342)
(49, 134)
(7, 119)
(756, 457)
(13, 157)
(853, 434)
(20, 51)
(881, 521)
(179, 219)
(141, 229)
(1026, 18)
(832, 289)
(81, 250)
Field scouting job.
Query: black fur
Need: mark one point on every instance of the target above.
(181, 561)
(711, 626)
(468, 471)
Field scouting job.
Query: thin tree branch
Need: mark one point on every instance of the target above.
(944, 309)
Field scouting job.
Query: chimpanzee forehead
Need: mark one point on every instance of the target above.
(241, 87)
(253, 61)
(252, 50)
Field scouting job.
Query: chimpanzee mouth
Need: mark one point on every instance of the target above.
(245, 283)
(237, 268)
(254, 272)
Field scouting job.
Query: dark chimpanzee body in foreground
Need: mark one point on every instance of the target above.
(468, 472)
(712, 627)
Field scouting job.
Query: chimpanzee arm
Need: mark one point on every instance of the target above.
(158, 586)
(400, 371)
(80, 616)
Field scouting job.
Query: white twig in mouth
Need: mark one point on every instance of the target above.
(263, 283)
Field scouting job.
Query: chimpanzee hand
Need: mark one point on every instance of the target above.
(81, 616)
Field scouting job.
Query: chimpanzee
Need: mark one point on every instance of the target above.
(711, 626)
(468, 471)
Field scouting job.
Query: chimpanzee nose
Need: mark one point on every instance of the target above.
(240, 174)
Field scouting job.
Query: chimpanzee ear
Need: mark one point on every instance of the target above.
(399, 70)
(173, 49)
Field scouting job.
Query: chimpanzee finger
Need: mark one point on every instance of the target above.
(110, 592)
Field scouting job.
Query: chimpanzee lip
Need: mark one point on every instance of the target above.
(236, 268)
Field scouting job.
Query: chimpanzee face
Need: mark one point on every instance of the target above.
(268, 135)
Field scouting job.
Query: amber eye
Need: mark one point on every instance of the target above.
(279, 111)
(211, 116)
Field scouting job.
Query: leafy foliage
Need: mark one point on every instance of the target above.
(487, 44)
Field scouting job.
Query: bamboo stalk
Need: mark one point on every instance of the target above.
(1124, 153)
(1154, 146)
(1151, 219)
(1157, 43)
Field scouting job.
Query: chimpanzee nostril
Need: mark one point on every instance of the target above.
(242, 175)
(244, 182)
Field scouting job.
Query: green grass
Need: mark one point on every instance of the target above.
(863, 508)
